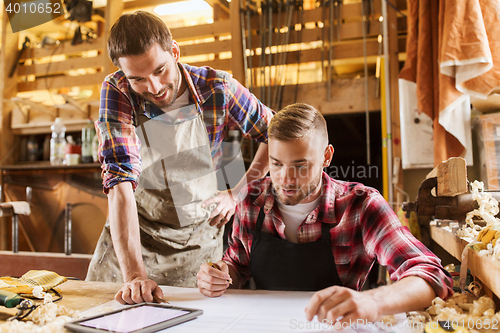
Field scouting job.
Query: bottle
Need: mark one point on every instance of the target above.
(95, 149)
(57, 142)
(88, 133)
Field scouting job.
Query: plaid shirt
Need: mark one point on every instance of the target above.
(222, 101)
(364, 229)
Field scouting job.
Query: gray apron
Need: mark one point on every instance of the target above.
(178, 175)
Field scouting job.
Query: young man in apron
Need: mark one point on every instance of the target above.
(161, 126)
(299, 229)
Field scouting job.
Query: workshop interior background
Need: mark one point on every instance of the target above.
(327, 53)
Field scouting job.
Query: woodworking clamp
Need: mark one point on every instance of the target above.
(429, 206)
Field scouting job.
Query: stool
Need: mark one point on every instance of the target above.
(14, 208)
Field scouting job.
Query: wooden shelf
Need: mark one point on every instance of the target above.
(44, 128)
(485, 268)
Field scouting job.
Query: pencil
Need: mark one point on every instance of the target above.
(218, 268)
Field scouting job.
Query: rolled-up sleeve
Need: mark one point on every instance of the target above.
(247, 112)
(397, 249)
(118, 143)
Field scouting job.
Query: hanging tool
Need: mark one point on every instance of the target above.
(367, 111)
(11, 300)
(23, 48)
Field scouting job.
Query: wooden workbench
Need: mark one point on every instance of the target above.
(484, 268)
(78, 295)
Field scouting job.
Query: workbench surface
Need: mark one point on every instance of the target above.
(484, 268)
(78, 295)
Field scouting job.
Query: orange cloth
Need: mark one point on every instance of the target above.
(453, 48)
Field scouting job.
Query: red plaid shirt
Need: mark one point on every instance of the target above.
(364, 229)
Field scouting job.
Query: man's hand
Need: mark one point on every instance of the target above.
(139, 290)
(213, 282)
(224, 210)
(342, 304)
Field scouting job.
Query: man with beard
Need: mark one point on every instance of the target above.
(299, 229)
(161, 126)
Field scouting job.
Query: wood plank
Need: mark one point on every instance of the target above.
(62, 66)
(63, 48)
(83, 295)
(393, 62)
(113, 11)
(8, 89)
(237, 64)
(451, 177)
(62, 81)
(452, 244)
(17, 264)
(485, 268)
(342, 51)
(350, 30)
(220, 64)
(221, 28)
(342, 101)
(216, 46)
(43, 128)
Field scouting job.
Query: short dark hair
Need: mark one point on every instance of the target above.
(296, 121)
(136, 33)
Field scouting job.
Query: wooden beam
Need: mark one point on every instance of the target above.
(62, 81)
(63, 48)
(352, 49)
(62, 66)
(216, 46)
(342, 101)
(236, 41)
(8, 89)
(394, 50)
(222, 28)
(114, 10)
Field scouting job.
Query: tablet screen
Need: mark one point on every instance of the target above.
(134, 319)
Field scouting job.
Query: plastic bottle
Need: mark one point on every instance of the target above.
(95, 149)
(57, 142)
(88, 133)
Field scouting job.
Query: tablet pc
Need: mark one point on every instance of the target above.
(138, 318)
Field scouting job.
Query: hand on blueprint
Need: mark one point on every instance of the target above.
(341, 304)
(213, 279)
(139, 290)
(224, 210)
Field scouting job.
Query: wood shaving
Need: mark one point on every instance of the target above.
(16, 326)
(47, 318)
(461, 308)
(483, 240)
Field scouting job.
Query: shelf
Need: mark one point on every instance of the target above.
(45, 165)
(484, 268)
(44, 128)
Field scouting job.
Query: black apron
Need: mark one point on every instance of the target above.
(278, 264)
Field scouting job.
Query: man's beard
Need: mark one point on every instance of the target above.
(300, 195)
(171, 89)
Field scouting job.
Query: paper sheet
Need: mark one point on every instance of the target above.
(248, 311)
